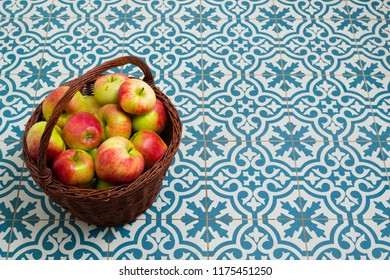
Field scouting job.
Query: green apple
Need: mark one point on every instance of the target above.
(106, 87)
(92, 104)
(101, 185)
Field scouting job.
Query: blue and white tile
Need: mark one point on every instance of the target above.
(242, 46)
(185, 93)
(242, 107)
(373, 9)
(18, 9)
(237, 9)
(351, 240)
(58, 240)
(16, 100)
(184, 185)
(333, 110)
(372, 38)
(304, 9)
(159, 240)
(166, 45)
(381, 109)
(320, 47)
(259, 240)
(251, 180)
(21, 45)
(47, 82)
(79, 45)
(89, 8)
(11, 168)
(347, 178)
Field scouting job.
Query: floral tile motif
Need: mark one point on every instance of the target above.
(259, 240)
(11, 168)
(244, 107)
(58, 240)
(374, 9)
(325, 108)
(21, 43)
(321, 47)
(252, 180)
(242, 46)
(350, 240)
(18, 9)
(348, 179)
(74, 45)
(373, 38)
(304, 9)
(88, 8)
(237, 9)
(169, 46)
(16, 102)
(159, 240)
(183, 186)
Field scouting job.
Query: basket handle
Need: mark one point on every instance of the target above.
(75, 86)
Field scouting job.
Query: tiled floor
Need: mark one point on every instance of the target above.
(286, 111)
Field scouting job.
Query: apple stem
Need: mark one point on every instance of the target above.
(76, 156)
(142, 90)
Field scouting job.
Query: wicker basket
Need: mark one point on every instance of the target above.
(116, 205)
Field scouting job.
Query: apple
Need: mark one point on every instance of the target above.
(114, 121)
(101, 185)
(74, 167)
(92, 104)
(56, 143)
(150, 145)
(93, 153)
(106, 87)
(154, 120)
(117, 161)
(136, 97)
(76, 104)
(82, 131)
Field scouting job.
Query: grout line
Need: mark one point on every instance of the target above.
(204, 133)
(292, 138)
(369, 96)
(33, 107)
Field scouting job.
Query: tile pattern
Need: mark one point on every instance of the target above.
(286, 140)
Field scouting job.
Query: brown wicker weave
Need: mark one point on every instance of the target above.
(116, 205)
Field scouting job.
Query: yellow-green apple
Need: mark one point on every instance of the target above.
(154, 120)
(114, 121)
(93, 153)
(92, 104)
(117, 161)
(106, 87)
(74, 167)
(136, 97)
(76, 104)
(56, 143)
(101, 185)
(150, 145)
(82, 131)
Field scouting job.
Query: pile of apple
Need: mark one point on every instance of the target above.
(105, 139)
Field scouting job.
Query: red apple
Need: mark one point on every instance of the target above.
(117, 161)
(82, 131)
(114, 120)
(154, 120)
(150, 145)
(136, 97)
(56, 144)
(74, 167)
(76, 104)
(106, 87)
